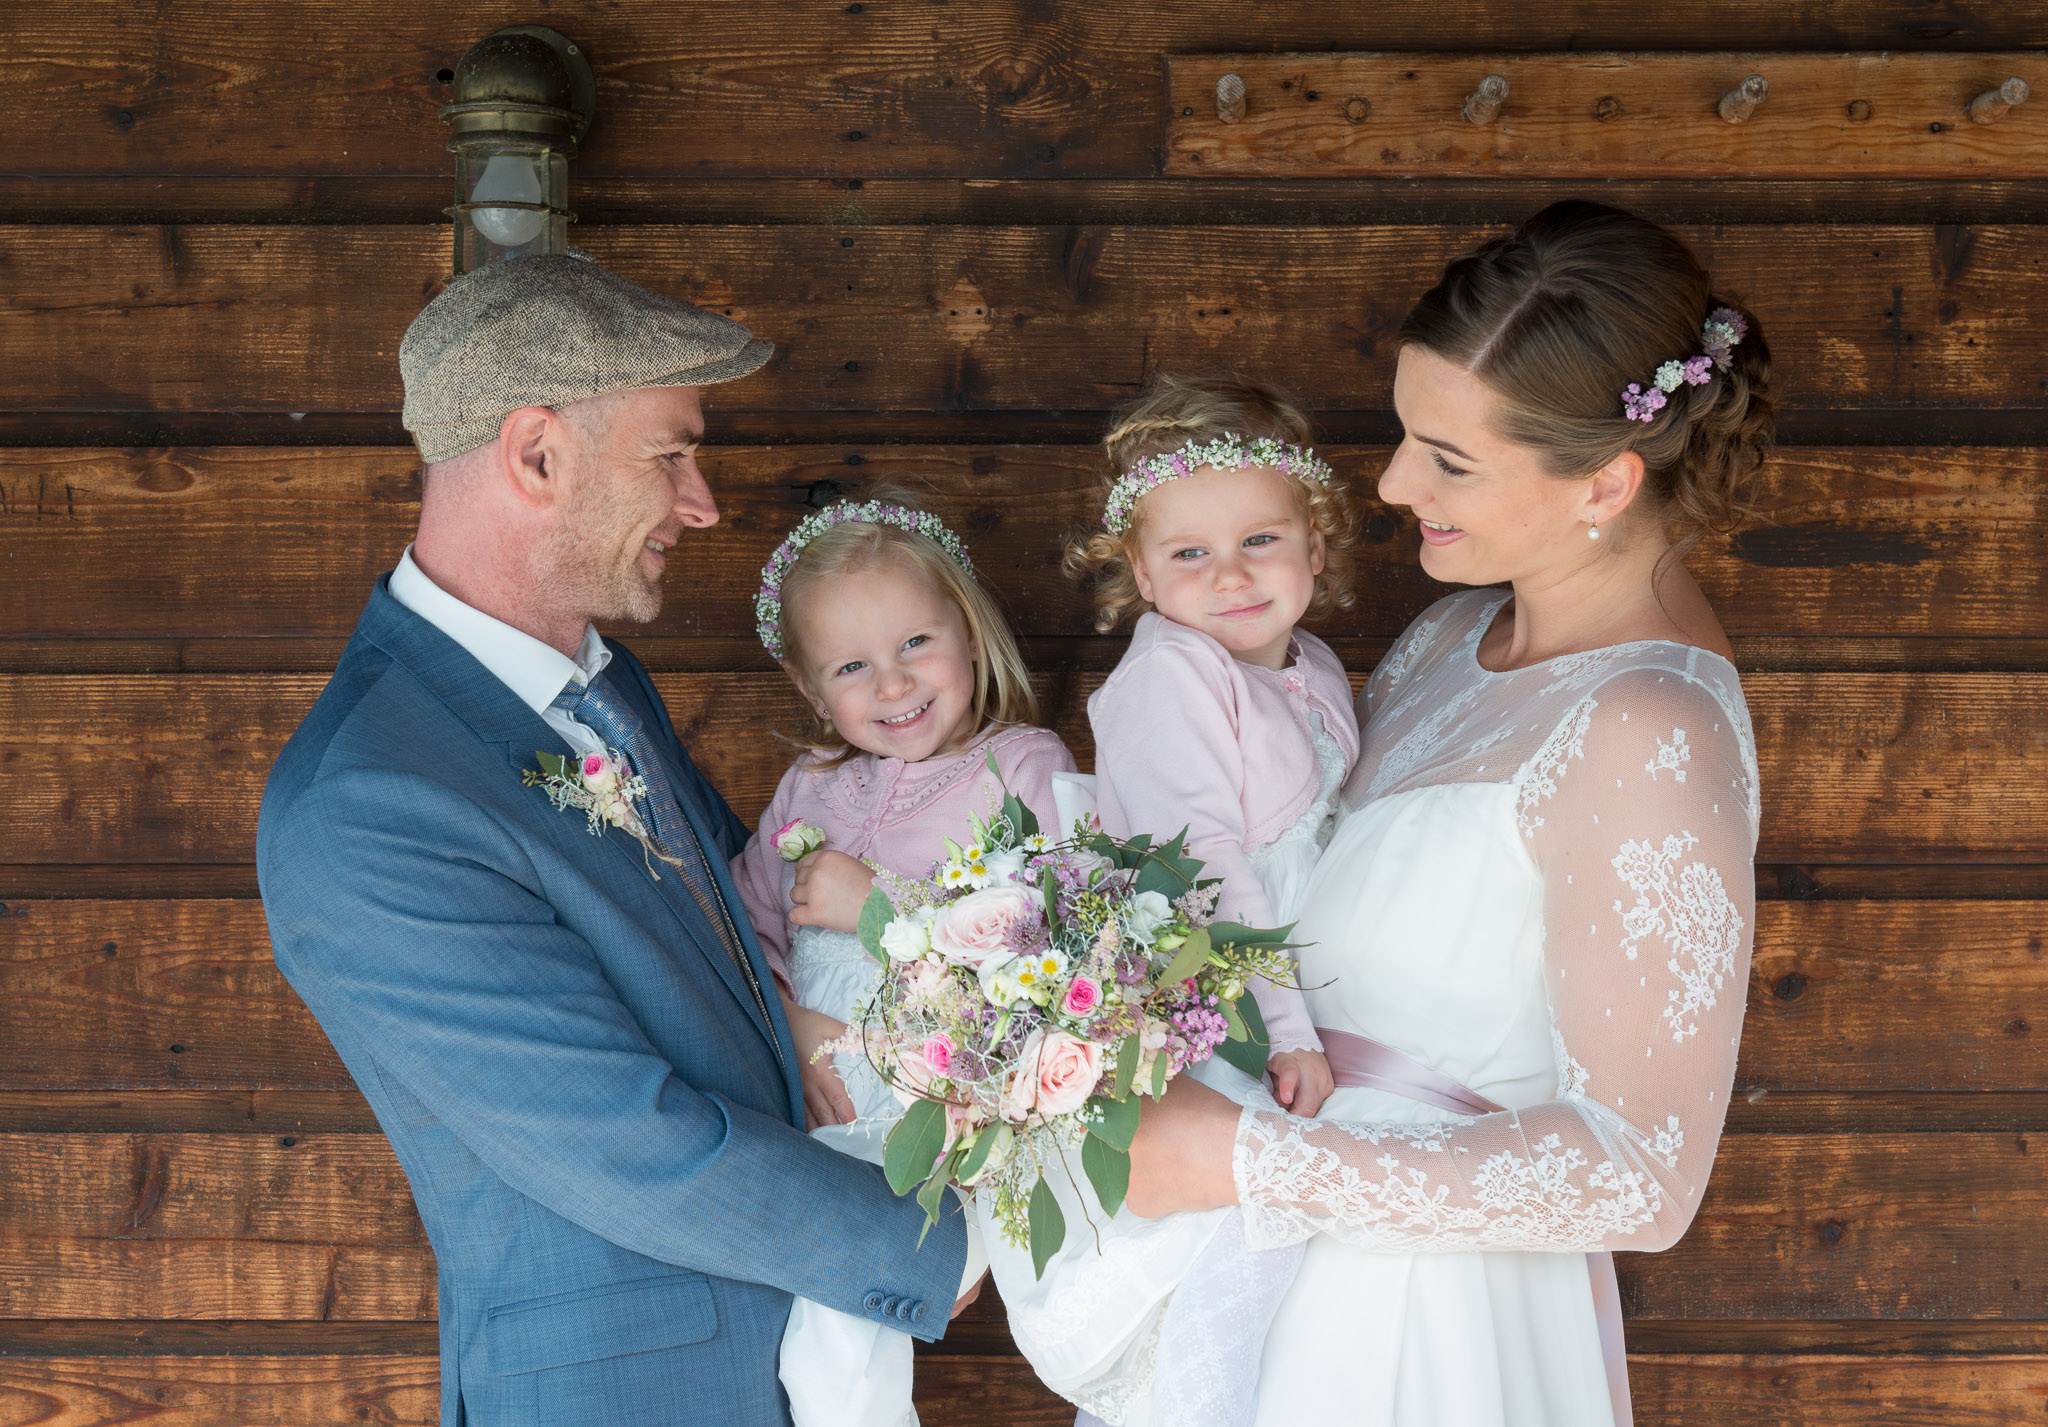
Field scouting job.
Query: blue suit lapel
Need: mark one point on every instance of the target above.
(497, 715)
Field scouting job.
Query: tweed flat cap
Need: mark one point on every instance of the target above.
(548, 331)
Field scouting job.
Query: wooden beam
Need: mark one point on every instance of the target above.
(1631, 115)
(170, 768)
(320, 1227)
(183, 996)
(1006, 88)
(133, 544)
(962, 320)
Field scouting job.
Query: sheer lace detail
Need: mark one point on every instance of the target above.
(1539, 776)
(1688, 908)
(1641, 881)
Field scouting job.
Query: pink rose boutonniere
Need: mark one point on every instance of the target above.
(600, 786)
(796, 839)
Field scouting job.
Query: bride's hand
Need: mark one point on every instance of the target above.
(1180, 1159)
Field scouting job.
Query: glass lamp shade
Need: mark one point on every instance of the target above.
(511, 201)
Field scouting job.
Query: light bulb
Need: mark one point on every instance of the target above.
(508, 178)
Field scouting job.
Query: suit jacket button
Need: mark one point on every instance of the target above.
(873, 1303)
(916, 1314)
(890, 1305)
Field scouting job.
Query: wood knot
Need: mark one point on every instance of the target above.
(1357, 110)
(1791, 986)
(2018, 1026)
(1833, 1231)
(1859, 111)
(1607, 108)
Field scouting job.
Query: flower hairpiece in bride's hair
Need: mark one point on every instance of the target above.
(1228, 452)
(768, 600)
(1720, 334)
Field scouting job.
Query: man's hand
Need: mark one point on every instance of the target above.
(825, 1099)
(830, 890)
(1180, 1159)
(1301, 1080)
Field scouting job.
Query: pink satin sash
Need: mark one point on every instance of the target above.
(1360, 1061)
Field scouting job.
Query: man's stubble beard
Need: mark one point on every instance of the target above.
(582, 567)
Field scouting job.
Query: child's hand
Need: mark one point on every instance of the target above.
(830, 891)
(825, 1099)
(1301, 1080)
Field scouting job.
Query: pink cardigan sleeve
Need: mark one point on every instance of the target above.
(1027, 765)
(760, 874)
(1168, 756)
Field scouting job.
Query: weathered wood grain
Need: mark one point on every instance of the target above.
(170, 768)
(135, 544)
(945, 319)
(1644, 115)
(1769, 1390)
(246, 90)
(1843, 997)
(1823, 1226)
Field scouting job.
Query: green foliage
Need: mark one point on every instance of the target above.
(1250, 1051)
(1238, 934)
(1127, 1053)
(1108, 1169)
(1190, 958)
(1048, 1226)
(914, 1146)
(552, 764)
(875, 915)
(1116, 1122)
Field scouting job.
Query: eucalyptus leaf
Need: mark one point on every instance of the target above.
(1190, 958)
(1048, 1226)
(1238, 934)
(1159, 1068)
(1109, 1170)
(553, 764)
(1127, 1053)
(914, 1146)
(1117, 1121)
(875, 915)
(976, 1154)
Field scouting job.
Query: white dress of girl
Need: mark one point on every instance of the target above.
(1540, 886)
(1094, 1325)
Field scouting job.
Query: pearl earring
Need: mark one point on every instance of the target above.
(1593, 532)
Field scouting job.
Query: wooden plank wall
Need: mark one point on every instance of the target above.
(965, 228)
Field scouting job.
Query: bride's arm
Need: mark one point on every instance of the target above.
(1649, 902)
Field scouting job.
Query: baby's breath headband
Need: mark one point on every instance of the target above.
(768, 602)
(1227, 452)
(1723, 329)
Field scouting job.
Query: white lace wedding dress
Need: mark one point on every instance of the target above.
(1541, 886)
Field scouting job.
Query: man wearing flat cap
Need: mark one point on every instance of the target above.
(571, 1040)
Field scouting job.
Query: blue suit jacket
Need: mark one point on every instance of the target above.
(604, 1140)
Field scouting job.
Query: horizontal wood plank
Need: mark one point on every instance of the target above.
(1769, 1390)
(1823, 1226)
(958, 320)
(1635, 114)
(1855, 767)
(132, 544)
(1011, 88)
(1843, 997)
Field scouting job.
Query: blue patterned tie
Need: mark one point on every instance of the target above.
(600, 709)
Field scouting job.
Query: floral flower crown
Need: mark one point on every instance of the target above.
(1228, 452)
(768, 601)
(1723, 329)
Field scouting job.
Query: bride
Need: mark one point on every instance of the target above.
(1531, 930)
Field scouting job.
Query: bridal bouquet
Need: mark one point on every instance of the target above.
(1032, 991)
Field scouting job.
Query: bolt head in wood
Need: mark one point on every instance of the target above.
(1230, 98)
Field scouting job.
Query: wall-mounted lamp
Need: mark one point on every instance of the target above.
(524, 98)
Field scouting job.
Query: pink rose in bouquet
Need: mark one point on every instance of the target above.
(1055, 1073)
(977, 927)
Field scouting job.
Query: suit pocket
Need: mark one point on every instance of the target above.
(594, 1323)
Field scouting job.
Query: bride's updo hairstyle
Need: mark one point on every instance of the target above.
(1177, 411)
(1560, 317)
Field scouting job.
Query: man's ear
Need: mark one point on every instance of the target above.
(1612, 489)
(531, 455)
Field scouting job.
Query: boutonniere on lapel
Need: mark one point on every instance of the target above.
(598, 786)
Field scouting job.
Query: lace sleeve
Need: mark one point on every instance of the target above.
(1642, 825)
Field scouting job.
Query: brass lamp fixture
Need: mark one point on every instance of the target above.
(524, 98)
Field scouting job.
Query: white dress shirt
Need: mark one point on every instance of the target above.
(536, 672)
